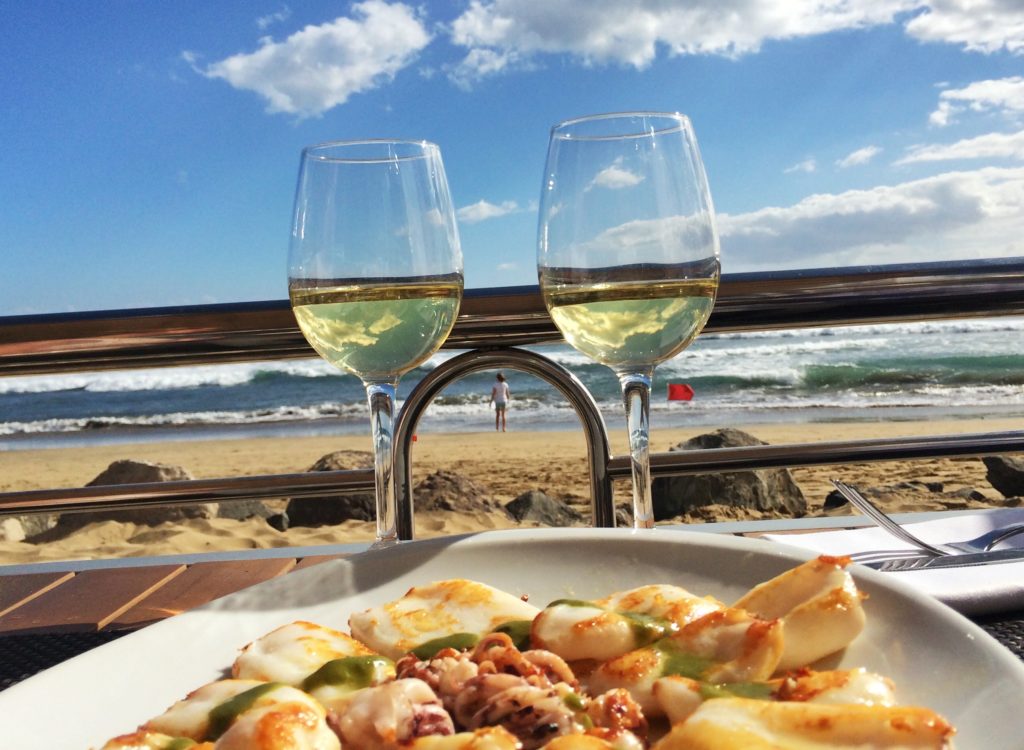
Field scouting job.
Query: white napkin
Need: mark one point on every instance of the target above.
(971, 591)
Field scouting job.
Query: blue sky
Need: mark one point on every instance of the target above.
(150, 150)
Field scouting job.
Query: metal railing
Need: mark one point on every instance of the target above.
(510, 316)
(490, 322)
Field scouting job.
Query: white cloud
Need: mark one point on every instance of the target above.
(615, 177)
(481, 63)
(502, 34)
(482, 211)
(507, 266)
(988, 146)
(640, 240)
(957, 215)
(858, 157)
(979, 25)
(320, 67)
(807, 165)
(271, 18)
(1004, 95)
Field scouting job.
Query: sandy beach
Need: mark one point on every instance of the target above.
(505, 464)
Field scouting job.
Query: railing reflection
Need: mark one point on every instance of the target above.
(512, 316)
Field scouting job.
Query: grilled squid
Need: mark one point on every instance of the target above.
(446, 673)
(143, 740)
(427, 618)
(678, 697)
(248, 714)
(199, 713)
(594, 742)
(489, 738)
(614, 625)
(744, 724)
(819, 606)
(292, 652)
(727, 645)
(295, 725)
(386, 716)
(534, 714)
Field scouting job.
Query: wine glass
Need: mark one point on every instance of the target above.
(375, 273)
(627, 254)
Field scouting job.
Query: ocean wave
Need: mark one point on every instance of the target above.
(462, 410)
(979, 371)
(194, 376)
(963, 326)
(972, 364)
(184, 419)
(166, 378)
(996, 398)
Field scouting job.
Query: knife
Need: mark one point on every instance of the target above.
(964, 560)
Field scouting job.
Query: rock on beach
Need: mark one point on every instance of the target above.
(769, 490)
(330, 511)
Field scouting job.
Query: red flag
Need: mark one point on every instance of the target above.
(679, 392)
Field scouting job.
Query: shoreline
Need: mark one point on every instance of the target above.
(504, 464)
(674, 418)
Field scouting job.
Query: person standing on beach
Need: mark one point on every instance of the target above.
(500, 395)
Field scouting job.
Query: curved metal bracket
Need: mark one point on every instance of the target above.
(601, 503)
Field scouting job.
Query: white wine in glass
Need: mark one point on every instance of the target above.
(628, 254)
(375, 273)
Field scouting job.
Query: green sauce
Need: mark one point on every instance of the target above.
(573, 701)
(224, 714)
(757, 690)
(457, 641)
(353, 672)
(681, 663)
(572, 603)
(518, 631)
(647, 628)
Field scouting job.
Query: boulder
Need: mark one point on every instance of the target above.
(913, 488)
(914, 496)
(140, 472)
(278, 521)
(765, 490)
(834, 501)
(969, 493)
(127, 471)
(448, 491)
(536, 506)
(35, 524)
(241, 510)
(1005, 474)
(330, 511)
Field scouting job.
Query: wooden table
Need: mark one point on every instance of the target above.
(125, 598)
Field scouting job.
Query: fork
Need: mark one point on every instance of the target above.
(982, 543)
(892, 564)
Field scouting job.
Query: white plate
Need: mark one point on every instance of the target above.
(936, 657)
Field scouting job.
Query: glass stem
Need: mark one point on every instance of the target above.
(382, 406)
(636, 393)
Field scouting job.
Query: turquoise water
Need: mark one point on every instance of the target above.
(965, 369)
